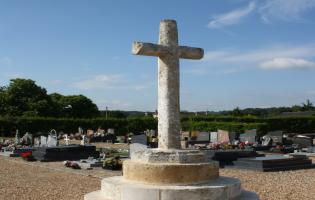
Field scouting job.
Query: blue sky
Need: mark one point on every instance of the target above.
(257, 53)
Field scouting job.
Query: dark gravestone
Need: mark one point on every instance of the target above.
(140, 139)
(203, 136)
(276, 136)
(302, 141)
(274, 163)
(226, 157)
(248, 137)
(61, 153)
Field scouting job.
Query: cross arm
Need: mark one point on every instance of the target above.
(148, 49)
(190, 52)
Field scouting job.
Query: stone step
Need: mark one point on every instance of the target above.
(97, 195)
(116, 188)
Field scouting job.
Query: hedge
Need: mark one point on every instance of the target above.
(70, 125)
(136, 125)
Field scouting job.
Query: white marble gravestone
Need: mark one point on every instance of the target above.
(43, 141)
(52, 141)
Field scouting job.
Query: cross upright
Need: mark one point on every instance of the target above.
(168, 53)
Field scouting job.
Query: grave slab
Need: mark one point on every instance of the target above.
(62, 153)
(274, 163)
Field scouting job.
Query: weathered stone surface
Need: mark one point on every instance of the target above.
(168, 53)
(170, 173)
(170, 156)
(223, 188)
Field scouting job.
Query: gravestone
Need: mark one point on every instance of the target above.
(248, 137)
(84, 140)
(302, 141)
(276, 136)
(214, 137)
(141, 139)
(52, 141)
(223, 136)
(43, 141)
(274, 163)
(111, 131)
(66, 139)
(62, 153)
(185, 135)
(90, 133)
(203, 136)
(27, 139)
(135, 147)
(80, 130)
(17, 139)
(169, 173)
(266, 141)
(36, 142)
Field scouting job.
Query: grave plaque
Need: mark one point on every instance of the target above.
(140, 139)
(36, 142)
(276, 136)
(52, 141)
(214, 137)
(203, 136)
(135, 147)
(223, 136)
(185, 135)
(248, 137)
(43, 141)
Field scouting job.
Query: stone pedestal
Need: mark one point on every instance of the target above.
(170, 175)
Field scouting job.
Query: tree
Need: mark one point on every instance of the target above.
(236, 112)
(2, 101)
(77, 106)
(24, 96)
(307, 106)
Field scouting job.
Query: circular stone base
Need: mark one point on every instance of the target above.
(223, 188)
(170, 173)
(170, 156)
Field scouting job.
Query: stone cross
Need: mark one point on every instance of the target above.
(66, 139)
(168, 53)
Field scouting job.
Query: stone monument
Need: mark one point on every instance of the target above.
(169, 173)
(17, 139)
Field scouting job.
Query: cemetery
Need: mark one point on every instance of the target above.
(193, 146)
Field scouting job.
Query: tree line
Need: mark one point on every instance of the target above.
(23, 97)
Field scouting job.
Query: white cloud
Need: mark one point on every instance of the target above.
(232, 17)
(285, 10)
(287, 63)
(99, 82)
(263, 54)
(274, 57)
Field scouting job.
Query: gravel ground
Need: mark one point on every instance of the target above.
(51, 181)
(20, 180)
(288, 185)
